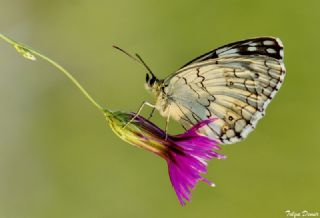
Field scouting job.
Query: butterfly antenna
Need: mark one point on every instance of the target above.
(126, 53)
(144, 64)
(137, 59)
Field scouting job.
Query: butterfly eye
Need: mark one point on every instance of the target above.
(153, 79)
(147, 78)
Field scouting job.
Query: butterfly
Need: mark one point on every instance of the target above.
(233, 83)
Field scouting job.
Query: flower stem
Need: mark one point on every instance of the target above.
(30, 53)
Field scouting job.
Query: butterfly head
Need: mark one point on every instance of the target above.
(152, 83)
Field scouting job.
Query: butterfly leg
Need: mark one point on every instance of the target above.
(139, 111)
(167, 124)
(152, 112)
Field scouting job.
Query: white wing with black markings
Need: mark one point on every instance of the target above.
(233, 83)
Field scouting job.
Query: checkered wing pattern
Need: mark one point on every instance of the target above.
(234, 83)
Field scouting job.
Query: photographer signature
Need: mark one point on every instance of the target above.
(304, 213)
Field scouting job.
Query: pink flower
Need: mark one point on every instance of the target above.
(186, 154)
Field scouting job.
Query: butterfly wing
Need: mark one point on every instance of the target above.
(233, 86)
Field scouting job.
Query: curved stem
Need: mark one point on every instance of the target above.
(30, 53)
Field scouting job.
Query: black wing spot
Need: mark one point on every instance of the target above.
(230, 83)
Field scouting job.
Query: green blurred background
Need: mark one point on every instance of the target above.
(59, 159)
